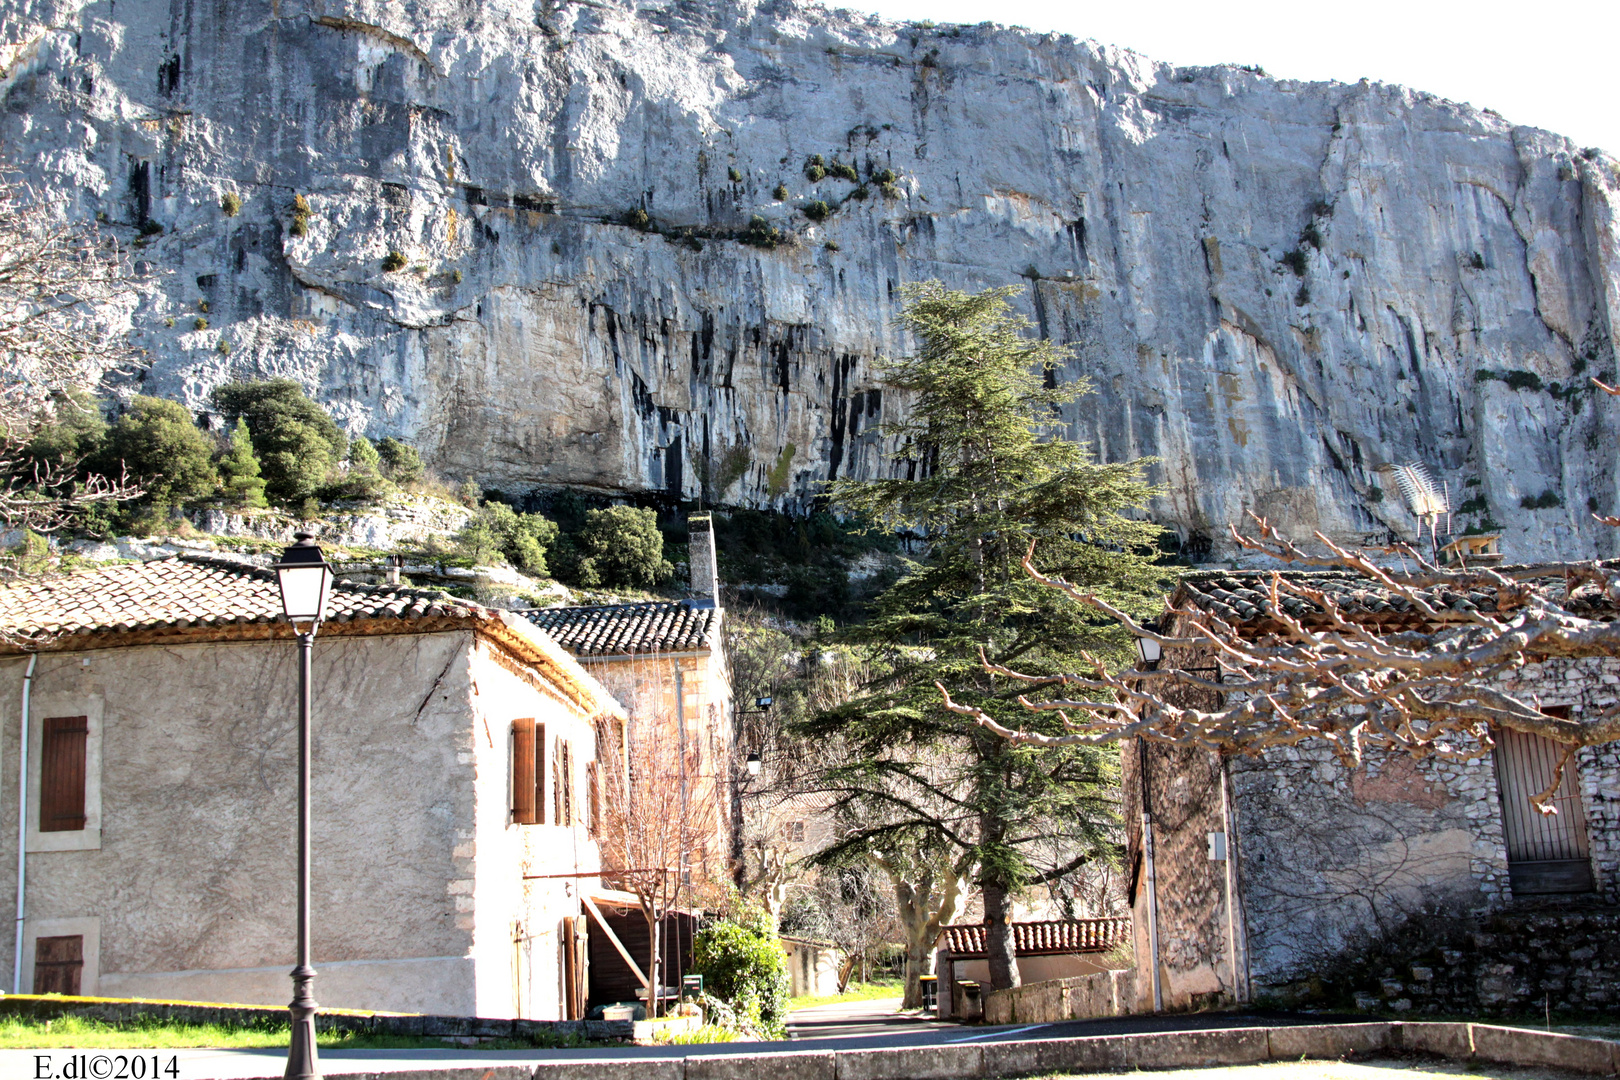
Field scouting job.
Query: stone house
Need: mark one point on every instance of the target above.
(159, 702)
(1266, 873)
(666, 662)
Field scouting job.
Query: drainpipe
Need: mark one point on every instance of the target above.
(22, 824)
(1240, 988)
(1147, 869)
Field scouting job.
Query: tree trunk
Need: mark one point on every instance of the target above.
(653, 974)
(998, 937)
(919, 962)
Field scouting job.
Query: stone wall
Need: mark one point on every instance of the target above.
(1503, 964)
(1083, 997)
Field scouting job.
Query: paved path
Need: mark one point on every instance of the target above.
(905, 1031)
(847, 1019)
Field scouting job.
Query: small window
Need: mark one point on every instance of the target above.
(58, 965)
(62, 773)
(795, 832)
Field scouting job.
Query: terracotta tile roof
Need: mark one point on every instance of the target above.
(1243, 598)
(1042, 938)
(188, 598)
(193, 590)
(625, 629)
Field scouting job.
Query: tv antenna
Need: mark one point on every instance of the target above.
(1425, 497)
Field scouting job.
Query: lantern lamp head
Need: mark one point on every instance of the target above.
(1150, 651)
(305, 580)
(762, 703)
(755, 765)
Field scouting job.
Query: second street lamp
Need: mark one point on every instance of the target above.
(305, 582)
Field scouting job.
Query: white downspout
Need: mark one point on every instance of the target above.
(1153, 909)
(22, 825)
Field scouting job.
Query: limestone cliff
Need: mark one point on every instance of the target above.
(1275, 286)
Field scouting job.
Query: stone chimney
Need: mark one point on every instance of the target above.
(705, 576)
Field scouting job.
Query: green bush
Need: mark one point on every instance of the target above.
(619, 547)
(636, 219)
(497, 532)
(734, 174)
(762, 234)
(200, 323)
(780, 193)
(239, 472)
(298, 444)
(885, 176)
(1547, 500)
(364, 480)
(395, 260)
(230, 204)
(817, 210)
(1295, 261)
(400, 461)
(160, 445)
(844, 171)
(746, 969)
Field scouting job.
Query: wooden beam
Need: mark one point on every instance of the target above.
(635, 969)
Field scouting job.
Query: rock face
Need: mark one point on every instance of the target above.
(1274, 286)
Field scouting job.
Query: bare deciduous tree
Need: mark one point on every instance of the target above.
(1307, 670)
(654, 827)
(65, 295)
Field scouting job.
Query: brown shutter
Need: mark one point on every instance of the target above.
(593, 798)
(524, 808)
(567, 783)
(58, 964)
(539, 774)
(61, 775)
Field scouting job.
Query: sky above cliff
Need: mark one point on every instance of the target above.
(1549, 67)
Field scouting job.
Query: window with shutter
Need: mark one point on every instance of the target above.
(62, 773)
(525, 806)
(58, 965)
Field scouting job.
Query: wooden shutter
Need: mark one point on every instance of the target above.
(566, 752)
(61, 774)
(525, 808)
(539, 774)
(1547, 853)
(593, 798)
(58, 965)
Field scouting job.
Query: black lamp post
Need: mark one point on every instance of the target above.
(305, 582)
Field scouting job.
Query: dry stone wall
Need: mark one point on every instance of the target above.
(523, 237)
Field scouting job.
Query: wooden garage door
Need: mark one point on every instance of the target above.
(1547, 853)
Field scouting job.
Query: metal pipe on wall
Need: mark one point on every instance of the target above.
(1240, 982)
(1147, 872)
(22, 824)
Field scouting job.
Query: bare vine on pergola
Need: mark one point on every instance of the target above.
(1432, 690)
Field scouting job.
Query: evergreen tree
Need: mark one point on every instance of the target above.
(400, 461)
(239, 470)
(981, 471)
(162, 448)
(298, 444)
(620, 547)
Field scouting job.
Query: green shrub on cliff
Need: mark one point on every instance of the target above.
(297, 443)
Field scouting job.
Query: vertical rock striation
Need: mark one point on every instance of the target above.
(1274, 286)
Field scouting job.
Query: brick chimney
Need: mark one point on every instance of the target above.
(705, 589)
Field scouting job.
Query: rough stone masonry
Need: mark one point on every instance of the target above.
(522, 234)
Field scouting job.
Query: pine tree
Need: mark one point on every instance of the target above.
(239, 470)
(980, 471)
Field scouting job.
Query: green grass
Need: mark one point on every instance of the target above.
(82, 1034)
(884, 988)
(708, 1033)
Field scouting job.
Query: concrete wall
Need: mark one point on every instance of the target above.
(812, 967)
(189, 887)
(1035, 968)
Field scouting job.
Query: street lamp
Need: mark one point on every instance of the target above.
(1150, 651)
(305, 582)
(755, 765)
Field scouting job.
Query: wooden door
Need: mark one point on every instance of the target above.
(1547, 853)
(58, 964)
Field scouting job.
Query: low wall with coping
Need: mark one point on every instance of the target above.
(136, 1010)
(1080, 997)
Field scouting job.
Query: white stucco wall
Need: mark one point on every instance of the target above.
(417, 874)
(517, 924)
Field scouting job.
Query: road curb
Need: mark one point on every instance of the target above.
(1101, 1053)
